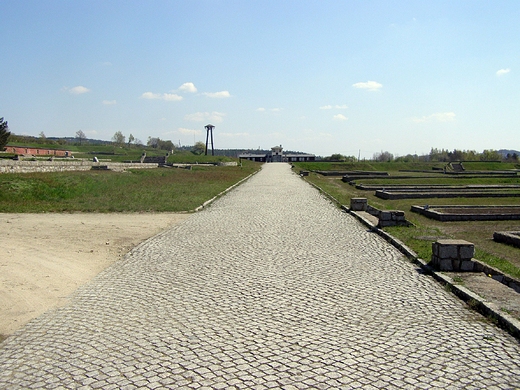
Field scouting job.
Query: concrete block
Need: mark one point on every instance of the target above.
(466, 251)
(445, 265)
(498, 278)
(467, 265)
(358, 204)
(386, 216)
(448, 251)
(435, 250)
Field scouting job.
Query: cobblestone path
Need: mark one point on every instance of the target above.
(270, 287)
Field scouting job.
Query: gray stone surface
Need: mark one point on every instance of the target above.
(270, 287)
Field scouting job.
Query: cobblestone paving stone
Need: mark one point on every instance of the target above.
(270, 287)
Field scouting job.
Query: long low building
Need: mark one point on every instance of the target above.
(277, 155)
(37, 151)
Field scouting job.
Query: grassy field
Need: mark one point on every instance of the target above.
(420, 237)
(162, 189)
(110, 152)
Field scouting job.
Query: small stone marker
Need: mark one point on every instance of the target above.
(453, 255)
(358, 204)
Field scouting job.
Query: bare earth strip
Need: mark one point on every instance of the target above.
(45, 257)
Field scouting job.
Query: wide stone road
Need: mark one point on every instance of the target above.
(270, 287)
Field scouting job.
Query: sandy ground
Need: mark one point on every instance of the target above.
(45, 257)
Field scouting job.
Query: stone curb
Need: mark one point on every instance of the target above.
(208, 202)
(488, 309)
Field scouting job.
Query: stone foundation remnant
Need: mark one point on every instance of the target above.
(453, 255)
(385, 217)
(358, 204)
(510, 238)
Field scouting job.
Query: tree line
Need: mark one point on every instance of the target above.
(445, 155)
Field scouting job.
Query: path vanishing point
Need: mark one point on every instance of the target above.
(271, 287)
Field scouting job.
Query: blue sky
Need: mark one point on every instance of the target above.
(349, 77)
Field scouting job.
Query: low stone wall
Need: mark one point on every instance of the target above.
(435, 212)
(510, 238)
(385, 217)
(227, 164)
(21, 166)
(395, 194)
(388, 217)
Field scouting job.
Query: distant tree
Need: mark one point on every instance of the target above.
(165, 145)
(80, 136)
(383, 156)
(118, 138)
(490, 155)
(130, 139)
(456, 155)
(198, 148)
(43, 138)
(138, 142)
(337, 157)
(407, 158)
(4, 133)
(153, 142)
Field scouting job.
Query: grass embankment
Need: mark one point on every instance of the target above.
(111, 152)
(146, 190)
(426, 231)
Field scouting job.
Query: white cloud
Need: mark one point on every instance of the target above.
(370, 85)
(437, 117)
(260, 109)
(216, 116)
(276, 109)
(109, 102)
(151, 95)
(183, 130)
(337, 106)
(340, 117)
(78, 90)
(205, 116)
(188, 87)
(159, 96)
(172, 97)
(502, 72)
(219, 95)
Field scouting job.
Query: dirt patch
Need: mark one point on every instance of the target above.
(46, 257)
(490, 290)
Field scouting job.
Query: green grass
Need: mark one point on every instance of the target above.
(162, 189)
(122, 153)
(398, 166)
(420, 237)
